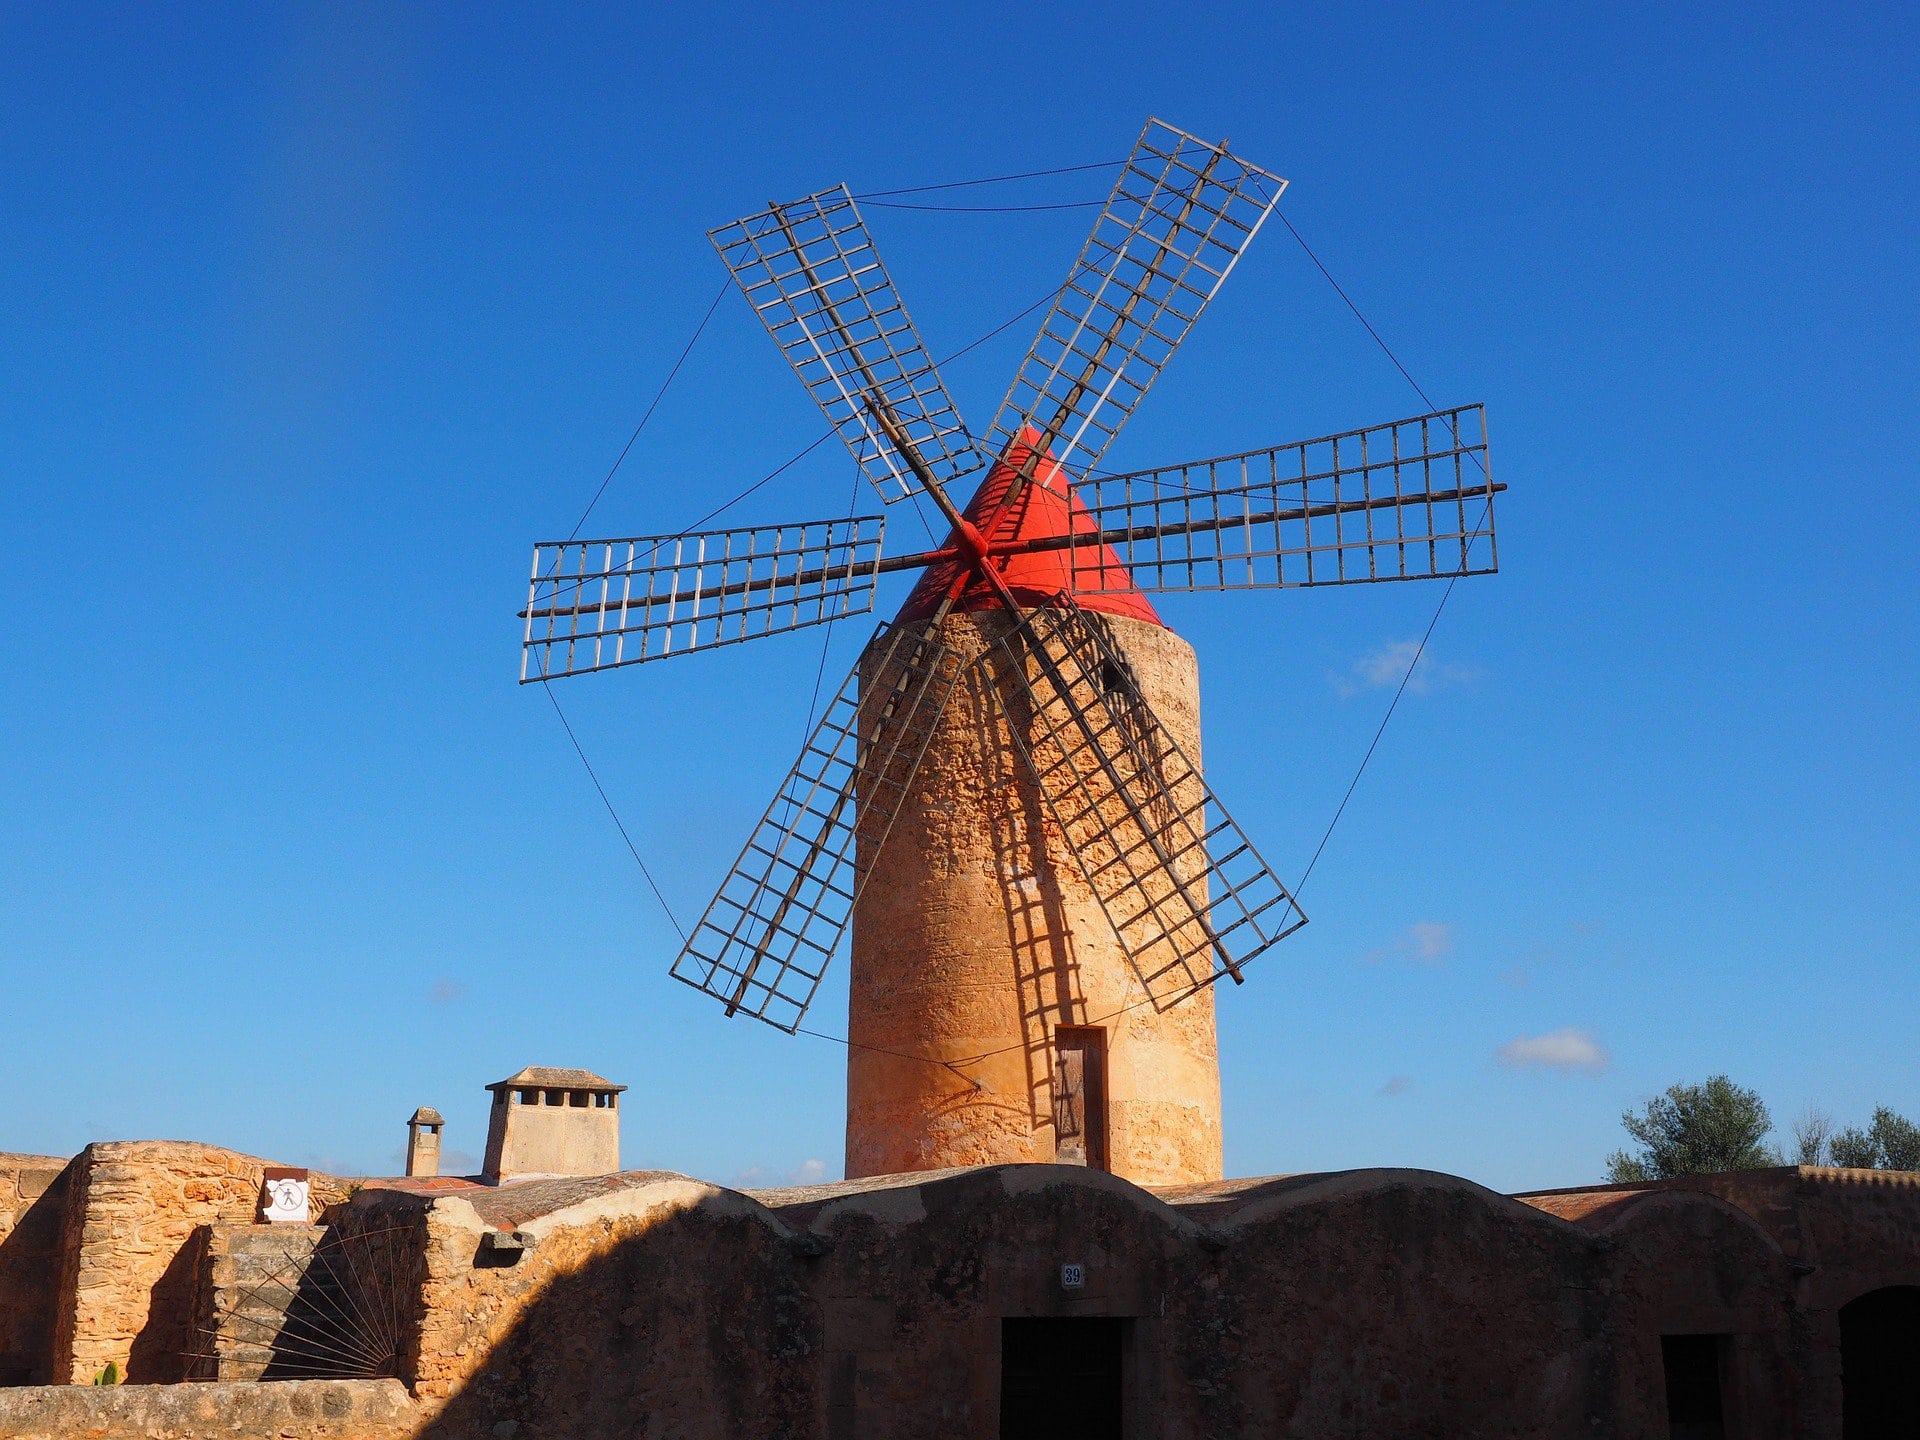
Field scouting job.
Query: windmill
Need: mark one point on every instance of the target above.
(1004, 800)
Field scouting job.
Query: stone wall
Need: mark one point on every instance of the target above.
(127, 1262)
(1363, 1304)
(977, 936)
(309, 1409)
(249, 1281)
(664, 1306)
(33, 1195)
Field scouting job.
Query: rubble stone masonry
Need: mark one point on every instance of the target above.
(126, 1276)
(32, 1196)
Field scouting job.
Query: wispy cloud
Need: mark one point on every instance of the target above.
(1396, 1085)
(760, 1177)
(1567, 1050)
(1425, 942)
(446, 991)
(1383, 668)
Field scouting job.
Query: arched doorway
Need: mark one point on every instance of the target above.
(1880, 1364)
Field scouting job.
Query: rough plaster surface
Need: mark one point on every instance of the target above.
(976, 935)
(1360, 1304)
(544, 1139)
(1357, 1304)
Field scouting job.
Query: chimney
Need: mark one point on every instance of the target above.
(423, 1141)
(547, 1121)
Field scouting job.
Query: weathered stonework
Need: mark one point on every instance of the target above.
(1367, 1303)
(977, 936)
(306, 1409)
(33, 1192)
(127, 1267)
(1361, 1304)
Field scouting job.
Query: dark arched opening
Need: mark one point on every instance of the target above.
(1880, 1364)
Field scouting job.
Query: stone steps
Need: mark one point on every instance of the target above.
(266, 1306)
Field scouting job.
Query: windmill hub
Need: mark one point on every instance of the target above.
(1004, 800)
(1026, 534)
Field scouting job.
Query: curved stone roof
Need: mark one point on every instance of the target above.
(556, 1079)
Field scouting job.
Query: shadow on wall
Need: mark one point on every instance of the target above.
(1039, 939)
(160, 1351)
(30, 1270)
(645, 1338)
(1382, 1303)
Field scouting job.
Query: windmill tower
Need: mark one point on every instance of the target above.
(1004, 801)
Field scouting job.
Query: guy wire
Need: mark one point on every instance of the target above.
(878, 197)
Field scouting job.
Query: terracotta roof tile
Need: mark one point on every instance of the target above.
(559, 1079)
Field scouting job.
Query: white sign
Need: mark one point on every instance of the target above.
(286, 1202)
(1073, 1277)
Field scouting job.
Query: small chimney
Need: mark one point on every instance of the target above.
(423, 1141)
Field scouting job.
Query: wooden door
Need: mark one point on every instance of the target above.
(1080, 1096)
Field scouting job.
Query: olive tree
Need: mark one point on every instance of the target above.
(1694, 1129)
(1890, 1142)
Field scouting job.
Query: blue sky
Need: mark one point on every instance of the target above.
(313, 320)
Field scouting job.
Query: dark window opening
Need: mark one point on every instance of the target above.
(1694, 1406)
(1080, 1096)
(1113, 679)
(1880, 1364)
(1060, 1379)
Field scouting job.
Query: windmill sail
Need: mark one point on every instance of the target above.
(1182, 886)
(1179, 216)
(813, 276)
(598, 604)
(1409, 500)
(768, 934)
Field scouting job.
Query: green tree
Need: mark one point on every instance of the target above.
(1693, 1129)
(1891, 1142)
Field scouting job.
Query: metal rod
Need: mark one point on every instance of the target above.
(986, 567)
(948, 553)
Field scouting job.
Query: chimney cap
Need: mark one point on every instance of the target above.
(547, 1077)
(426, 1115)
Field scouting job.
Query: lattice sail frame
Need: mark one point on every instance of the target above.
(770, 931)
(813, 276)
(601, 604)
(1180, 214)
(1407, 500)
(1178, 880)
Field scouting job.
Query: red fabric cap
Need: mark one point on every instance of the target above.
(1046, 507)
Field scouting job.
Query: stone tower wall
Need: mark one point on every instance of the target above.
(977, 935)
